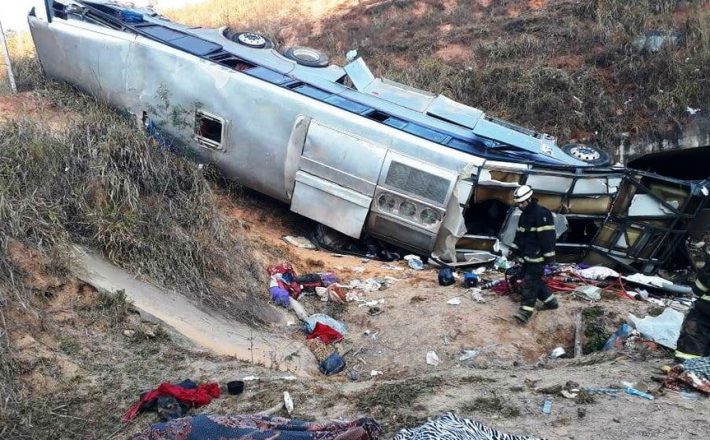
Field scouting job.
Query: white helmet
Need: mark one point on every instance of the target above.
(522, 194)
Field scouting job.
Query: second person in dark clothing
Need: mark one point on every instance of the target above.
(535, 240)
(694, 340)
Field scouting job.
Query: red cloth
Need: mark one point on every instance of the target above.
(202, 395)
(286, 271)
(325, 333)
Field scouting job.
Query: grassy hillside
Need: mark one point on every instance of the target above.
(568, 67)
(98, 180)
(85, 174)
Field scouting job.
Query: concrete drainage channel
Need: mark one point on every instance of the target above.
(213, 332)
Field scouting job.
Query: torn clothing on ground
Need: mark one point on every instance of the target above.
(197, 396)
(283, 276)
(325, 333)
(243, 427)
(452, 427)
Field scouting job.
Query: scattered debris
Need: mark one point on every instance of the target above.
(432, 358)
(552, 389)
(390, 267)
(547, 406)
(494, 283)
(600, 390)
(634, 392)
(477, 295)
(568, 394)
(468, 355)
(502, 264)
(446, 276)
(322, 318)
(368, 285)
(186, 392)
(374, 373)
(414, 262)
(653, 41)
(578, 332)
(592, 293)
(373, 303)
(325, 333)
(374, 311)
(334, 293)
(300, 242)
(298, 309)
(584, 398)
(693, 373)
(597, 273)
(286, 403)
(616, 340)
(557, 353)
(470, 279)
(454, 301)
(235, 387)
(663, 329)
(333, 364)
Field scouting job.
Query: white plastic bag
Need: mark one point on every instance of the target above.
(663, 329)
(432, 358)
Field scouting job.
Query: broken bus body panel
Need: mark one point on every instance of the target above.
(411, 168)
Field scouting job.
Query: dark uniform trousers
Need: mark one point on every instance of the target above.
(535, 240)
(694, 340)
(535, 287)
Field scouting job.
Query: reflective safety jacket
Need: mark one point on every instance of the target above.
(536, 236)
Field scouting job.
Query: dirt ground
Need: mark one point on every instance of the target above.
(86, 356)
(77, 357)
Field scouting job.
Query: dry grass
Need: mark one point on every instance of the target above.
(394, 396)
(490, 406)
(568, 69)
(392, 403)
(271, 17)
(114, 370)
(102, 183)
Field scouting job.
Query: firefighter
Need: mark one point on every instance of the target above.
(535, 241)
(694, 340)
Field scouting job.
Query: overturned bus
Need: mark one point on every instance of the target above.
(360, 154)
